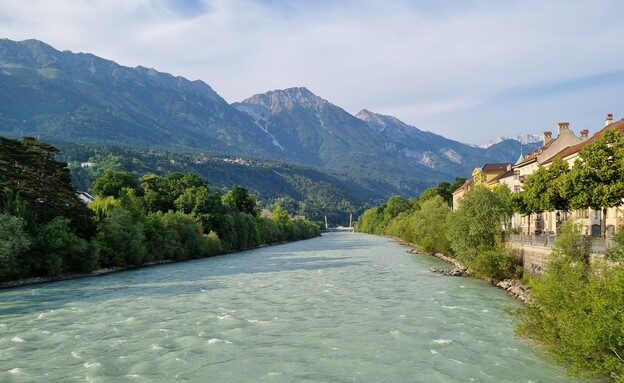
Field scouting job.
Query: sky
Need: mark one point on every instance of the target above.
(469, 70)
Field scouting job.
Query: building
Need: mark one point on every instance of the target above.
(566, 146)
(461, 191)
(485, 175)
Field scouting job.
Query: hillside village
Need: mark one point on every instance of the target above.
(567, 146)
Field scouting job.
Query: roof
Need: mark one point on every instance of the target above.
(570, 150)
(533, 155)
(521, 158)
(465, 186)
(496, 167)
(508, 173)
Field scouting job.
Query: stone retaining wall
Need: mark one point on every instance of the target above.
(535, 258)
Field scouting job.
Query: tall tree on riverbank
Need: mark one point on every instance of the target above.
(475, 230)
(29, 168)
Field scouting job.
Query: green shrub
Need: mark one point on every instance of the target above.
(499, 262)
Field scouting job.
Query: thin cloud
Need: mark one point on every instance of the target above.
(475, 63)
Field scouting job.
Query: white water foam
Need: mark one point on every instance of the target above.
(442, 341)
(17, 339)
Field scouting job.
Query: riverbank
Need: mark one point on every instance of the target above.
(513, 287)
(112, 270)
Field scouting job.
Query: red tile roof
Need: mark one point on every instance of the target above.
(465, 186)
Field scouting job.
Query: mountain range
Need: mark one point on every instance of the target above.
(66, 97)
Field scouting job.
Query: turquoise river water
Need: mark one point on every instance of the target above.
(340, 308)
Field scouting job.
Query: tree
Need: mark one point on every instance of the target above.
(557, 194)
(113, 182)
(478, 222)
(29, 167)
(14, 241)
(241, 200)
(57, 249)
(12, 203)
(596, 180)
(446, 189)
(122, 239)
(534, 193)
(430, 226)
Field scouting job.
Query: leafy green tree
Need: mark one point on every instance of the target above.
(57, 250)
(186, 234)
(396, 205)
(14, 242)
(12, 203)
(478, 222)
(557, 194)
(596, 180)
(280, 215)
(113, 182)
(534, 194)
(241, 200)
(428, 194)
(161, 193)
(269, 230)
(430, 226)
(370, 221)
(122, 239)
(29, 167)
(102, 207)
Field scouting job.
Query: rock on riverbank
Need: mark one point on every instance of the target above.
(515, 288)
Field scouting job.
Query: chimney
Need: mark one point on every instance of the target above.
(584, 134)
(562, 126)
(508, 167)
(547, 137)
(609, 119)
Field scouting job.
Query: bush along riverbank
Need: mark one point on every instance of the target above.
(574, 310)
(514, 287)
(46, 231)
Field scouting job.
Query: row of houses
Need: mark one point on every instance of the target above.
(565, 145)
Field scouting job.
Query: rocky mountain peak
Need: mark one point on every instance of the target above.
(286, 99)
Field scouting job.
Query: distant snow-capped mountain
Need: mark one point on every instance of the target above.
(522, 138)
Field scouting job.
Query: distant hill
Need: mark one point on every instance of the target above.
(70, 97)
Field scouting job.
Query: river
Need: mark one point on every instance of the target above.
(341, 308)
